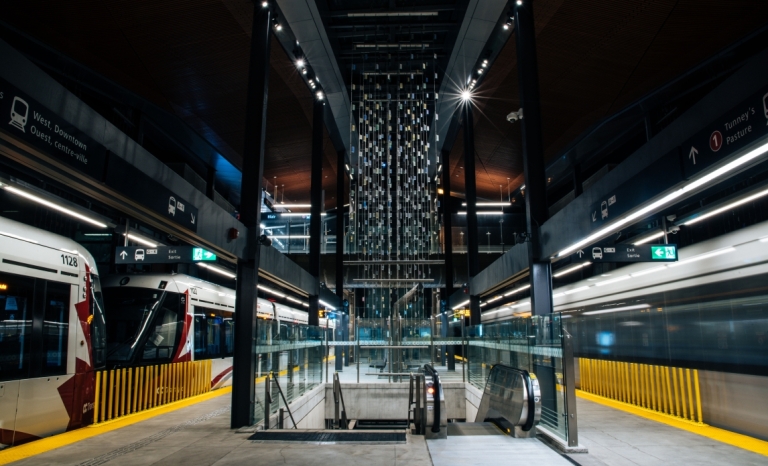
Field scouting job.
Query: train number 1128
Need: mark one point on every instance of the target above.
(69, 260)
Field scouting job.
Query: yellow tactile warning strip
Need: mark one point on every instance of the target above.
(731, 438)
(57, 441)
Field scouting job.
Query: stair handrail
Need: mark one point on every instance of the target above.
(280, 390)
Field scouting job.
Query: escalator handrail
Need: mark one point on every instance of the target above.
(435, 396)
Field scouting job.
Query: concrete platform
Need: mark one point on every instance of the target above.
(616, 438)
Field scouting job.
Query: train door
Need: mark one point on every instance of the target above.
(45, 403)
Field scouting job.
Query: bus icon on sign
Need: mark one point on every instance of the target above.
(172, 206)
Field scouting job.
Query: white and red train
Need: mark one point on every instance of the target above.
(57, 328)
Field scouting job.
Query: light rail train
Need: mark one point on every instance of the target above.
(52, 333)
(57, 328)
(708, 311)
(164, 318)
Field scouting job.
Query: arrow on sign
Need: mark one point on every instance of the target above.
(123, 255)
(594, 216)
(580, 253)
(692, 154)
(660, 252)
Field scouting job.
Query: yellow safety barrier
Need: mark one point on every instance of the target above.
(120, 392)
(673, 391)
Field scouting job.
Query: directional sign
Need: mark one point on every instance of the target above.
(735, 129)
(664, 253)
(200, 254)
(162, 255)
(629, 253)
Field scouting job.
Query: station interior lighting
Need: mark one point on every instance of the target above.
(466, 95)
(570, 269)
(692, 185)
(270, 291)
(489, 204)
(482, 212)
(217, 270)
(140, 240)
(459, 306)
(54, 206)
(517, 290)
(619, 309)
(728, 206)
(649, 238)
(288, 236)
(294, 206)
(300, 63)
(327, 306)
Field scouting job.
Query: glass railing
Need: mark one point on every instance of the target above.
(387, 349)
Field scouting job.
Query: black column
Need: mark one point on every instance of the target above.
(471, 195)
(244, 360)
(316, 196)
(449, 279)
(533, 158)
(210, 184)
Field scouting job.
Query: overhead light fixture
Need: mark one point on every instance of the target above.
(320, 301)
(264, 4)
(744, 159)
(519, 2)
(466, 95)
(727, 207)
(489, 204)
(649, 238)
(278, 26)
(483, 212)
(217, 270)
(702, 257)
(303, 71)
(53, 206)
(291, 298)
(319, 95)
(440, 191)
(461, 305)
(393, 13)
(346, 166)
(517, 290)
(289, 237)
(271, 291)
(479, 71)
(300, 63)
(570, 269)
(298, 214)
(618, 309)
(140, 240)
(295, 206)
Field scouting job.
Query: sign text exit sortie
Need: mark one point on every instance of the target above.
(628, 253)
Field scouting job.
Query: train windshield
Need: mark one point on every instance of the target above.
(98, 325)
(142, 324)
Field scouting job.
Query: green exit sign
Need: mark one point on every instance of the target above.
(664, 253)
(200, 254)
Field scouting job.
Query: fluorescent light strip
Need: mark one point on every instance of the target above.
(482, 212)
(289, 237)
(571, 269)
(490, 204)
(18, 237)
(461, 305)
(270, 290)
(613, 280)
(618, 309)
(297, 214)
(702, 256)
(61, 209)
(649, 238)
(293, 206)
(495, 299)
(727, 207)
(764, 240)
(141, 240)
(326, 304)
(746, 158)
(217, 270)
(517, 290)
(483, 304)
(97, 234)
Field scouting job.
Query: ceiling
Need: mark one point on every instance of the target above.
(190, 57)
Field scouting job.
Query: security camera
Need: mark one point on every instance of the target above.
(674, 229)
(514, 116)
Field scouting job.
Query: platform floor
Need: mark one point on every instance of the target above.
(200, 435)
(616, 438)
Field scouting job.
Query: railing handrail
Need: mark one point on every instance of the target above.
(435, 396)
(280, 390)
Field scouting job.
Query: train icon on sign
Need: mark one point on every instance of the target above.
(19, 113)
(172, 206)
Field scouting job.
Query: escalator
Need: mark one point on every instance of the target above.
(511, 400)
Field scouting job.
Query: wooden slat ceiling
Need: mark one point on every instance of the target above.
(191, 58)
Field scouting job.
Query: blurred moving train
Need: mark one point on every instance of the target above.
(707, 311)
(57, 328)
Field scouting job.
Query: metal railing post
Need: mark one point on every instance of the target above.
(570, 389)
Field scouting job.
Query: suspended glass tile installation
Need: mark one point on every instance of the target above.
(393, 204)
